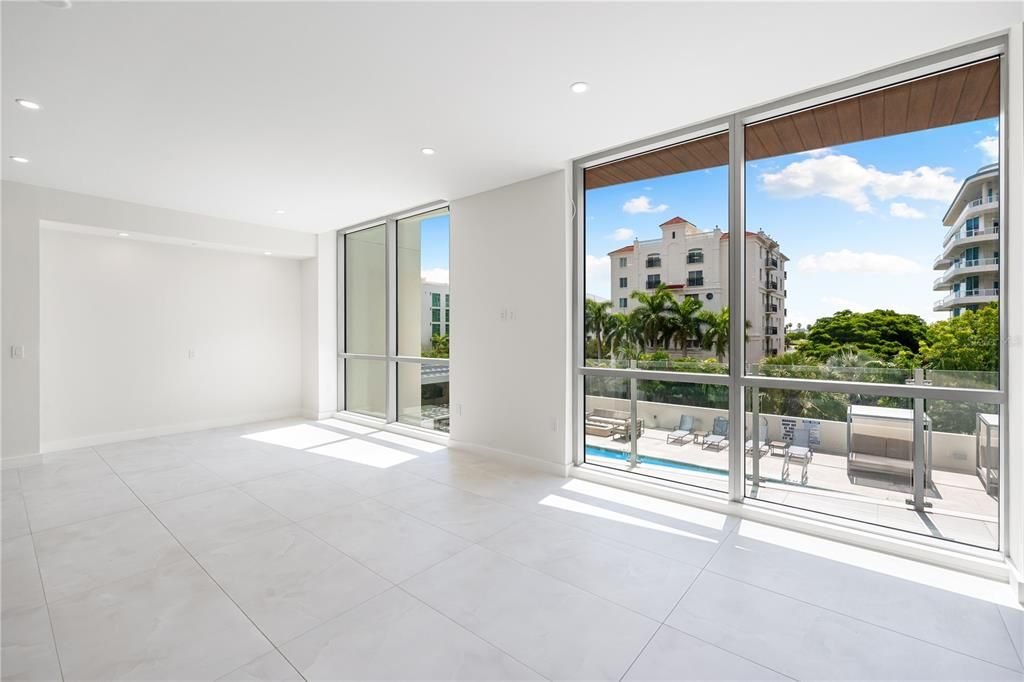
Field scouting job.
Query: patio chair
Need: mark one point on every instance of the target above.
(801, 452)
(684, 430)
(762, 440)
(719, 436)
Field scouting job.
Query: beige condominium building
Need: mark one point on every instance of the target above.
(694, 263)
(969, 259)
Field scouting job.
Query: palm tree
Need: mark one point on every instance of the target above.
(595, 321)
(715, 335)
(651, 313)
(682, 323)
(625, 332)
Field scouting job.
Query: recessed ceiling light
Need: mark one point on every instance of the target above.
(428, 151)
(579, 87)
(19, 159)
(268, 253)
(122, 234)
(279, 211)
(28, 104)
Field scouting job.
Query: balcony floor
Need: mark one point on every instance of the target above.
(961, 510)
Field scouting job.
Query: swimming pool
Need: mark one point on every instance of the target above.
(645, 459)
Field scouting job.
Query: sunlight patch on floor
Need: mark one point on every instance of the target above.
(362, 452)
(298, 437)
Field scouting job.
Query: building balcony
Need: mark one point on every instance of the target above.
(967, 297)
(772, 308)
(964, 239)
(694, 281)
(771, 263)
(653, 283)
(962, 269)
(771, 331)
(772, 285)
(973, 208)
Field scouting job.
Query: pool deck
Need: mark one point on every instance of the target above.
(961, 510)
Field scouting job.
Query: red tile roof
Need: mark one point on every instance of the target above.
(725, 235)
(675, 221)
(624, 249)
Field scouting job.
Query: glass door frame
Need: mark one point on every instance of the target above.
(391, 358)
(738, 380)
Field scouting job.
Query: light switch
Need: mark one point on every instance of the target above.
(18, 352)
(191, 354)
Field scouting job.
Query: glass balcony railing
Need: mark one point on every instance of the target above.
(967, 294)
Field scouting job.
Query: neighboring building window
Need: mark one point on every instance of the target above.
(653, 281)
(435, 330)
(695, 279)
(971, 226)
(623, 302)
(435, 300)
(654, 260)
(447, 314)
(446, 304)
(622, 262)
(695, 256)
(623, 282)
(673, 234)
(435, 315)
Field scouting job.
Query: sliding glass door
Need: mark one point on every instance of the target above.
(857, 393)
(393, 345)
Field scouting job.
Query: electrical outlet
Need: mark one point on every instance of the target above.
(18, 352)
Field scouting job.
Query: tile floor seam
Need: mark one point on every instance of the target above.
(472, 632)
(219, 586)
(584, 589)
(46, 604)
(869, 623)
(731, 653)
(660, 625)
(1020, 652)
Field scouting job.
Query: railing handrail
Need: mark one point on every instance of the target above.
(977, 262)
(967, 293)
(962, 234)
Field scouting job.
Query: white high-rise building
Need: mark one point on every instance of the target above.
(434, 312)
(969, 259)
(694, 263)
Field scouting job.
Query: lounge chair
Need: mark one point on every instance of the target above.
(762, 440)
(801, 452)
(719, 436)
(684, 430)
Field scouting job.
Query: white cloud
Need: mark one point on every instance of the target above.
(858, 262)
(901, 210)
(843, 304)
(989, 146)
(623, 234)
(435, 275)
(823, 151)
(843, 177)
(598, 269)
(642, 204)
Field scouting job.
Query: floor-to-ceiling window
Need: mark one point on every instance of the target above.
(393, 345)
(866, 288)
(656, 310)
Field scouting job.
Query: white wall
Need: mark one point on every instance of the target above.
(510, 277)
(118, 318)
(25, 207)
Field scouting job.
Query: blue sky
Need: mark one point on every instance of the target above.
(861, 223)
(434, 248)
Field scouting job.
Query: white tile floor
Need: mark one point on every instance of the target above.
(302, 550)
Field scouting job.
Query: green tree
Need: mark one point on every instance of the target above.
(595, 321)
(714, 335)
(652, 313)
(882, 333)
(623, 333)
(438, 347)
(682, 323)
(968, 343)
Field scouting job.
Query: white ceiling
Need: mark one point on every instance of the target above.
(237, 109)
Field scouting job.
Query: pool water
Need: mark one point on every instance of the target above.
(644, 459)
